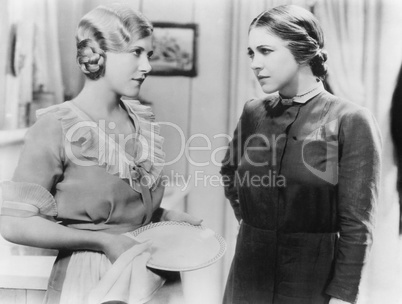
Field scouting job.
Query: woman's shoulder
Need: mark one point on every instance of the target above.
(47, 123)
(65, 115)
(344, 107)
(57, 111)
(47, 131)
(55, 121)
(350, 115)
(256, 106)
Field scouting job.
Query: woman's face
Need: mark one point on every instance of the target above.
(272, 62)
(125, 72)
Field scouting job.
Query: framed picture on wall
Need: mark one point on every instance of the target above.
(175, 49)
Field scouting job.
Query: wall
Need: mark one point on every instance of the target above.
(198, 106)
(69, 14)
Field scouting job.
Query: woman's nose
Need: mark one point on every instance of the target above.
(145, 66)
(256, 63)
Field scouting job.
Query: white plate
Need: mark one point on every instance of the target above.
(178, 246)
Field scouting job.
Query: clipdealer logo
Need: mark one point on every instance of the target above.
(326, 134)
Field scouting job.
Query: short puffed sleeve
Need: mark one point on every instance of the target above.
(39, 168)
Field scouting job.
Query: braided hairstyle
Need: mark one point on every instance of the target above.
(111, 28)
(301, 30)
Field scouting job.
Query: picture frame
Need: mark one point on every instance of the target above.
(175, 49)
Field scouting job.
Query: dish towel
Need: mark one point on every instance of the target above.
(127, 280)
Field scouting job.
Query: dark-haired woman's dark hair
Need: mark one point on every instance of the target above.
(110, 28)
(301, 30)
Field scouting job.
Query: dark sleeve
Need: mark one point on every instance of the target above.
(359, 174)
(157, 215)
(232, 158)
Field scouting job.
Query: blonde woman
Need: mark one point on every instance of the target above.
(91, 168)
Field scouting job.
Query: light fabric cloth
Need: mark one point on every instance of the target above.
(127, 280)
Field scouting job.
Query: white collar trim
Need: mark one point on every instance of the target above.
(303, 98)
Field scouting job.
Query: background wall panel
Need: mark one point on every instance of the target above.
(209, 119)
(170, 95)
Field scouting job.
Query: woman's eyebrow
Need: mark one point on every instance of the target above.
(136, 47)
(264, 46)
(260, 47)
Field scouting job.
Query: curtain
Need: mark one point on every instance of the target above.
(347, 41)
(35, 59)
(362, 57)
(47, 64)
(18, 78)
(4, 28)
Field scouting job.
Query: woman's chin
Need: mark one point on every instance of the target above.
(132, 95)
(268, 90)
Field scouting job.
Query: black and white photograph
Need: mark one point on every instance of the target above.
(200, 151)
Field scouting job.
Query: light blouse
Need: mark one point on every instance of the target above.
(72, 170)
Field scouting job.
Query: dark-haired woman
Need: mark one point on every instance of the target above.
(301, 173)
(94, 164)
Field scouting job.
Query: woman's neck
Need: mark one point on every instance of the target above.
(97, 99)
(303, 82)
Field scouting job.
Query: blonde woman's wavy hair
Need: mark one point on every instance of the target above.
(111, 28)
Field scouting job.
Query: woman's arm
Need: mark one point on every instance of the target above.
(231, 160)
(27, 198)
(39, 232)
(358, 183)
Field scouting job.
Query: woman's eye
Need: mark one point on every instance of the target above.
(266, 51)
(250, 54)
(150, 55)
(137, 52)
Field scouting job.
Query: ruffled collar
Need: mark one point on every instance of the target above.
(145, 163)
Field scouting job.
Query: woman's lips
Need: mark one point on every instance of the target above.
(140, 80)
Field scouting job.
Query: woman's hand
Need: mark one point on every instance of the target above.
(178, 216)
(337, 301)
(116, 245)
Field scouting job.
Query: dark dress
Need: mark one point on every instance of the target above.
(304, 186)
